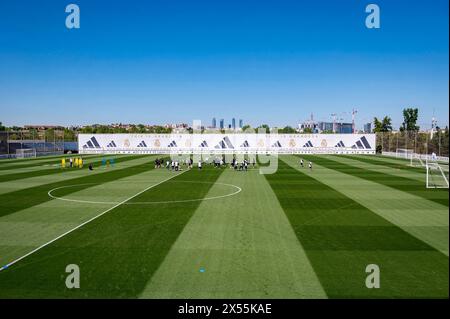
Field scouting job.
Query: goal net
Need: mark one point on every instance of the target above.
(437, 174)
(404, 153)
(416, 160)
(25, 152)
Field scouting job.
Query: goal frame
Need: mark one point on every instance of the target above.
(419, 158)
(436, 166)
(25, 153)
(404, 152)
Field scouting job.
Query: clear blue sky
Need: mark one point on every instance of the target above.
(272, 62)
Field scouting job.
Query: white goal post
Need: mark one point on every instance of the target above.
(416, 160)
(25, 152)
(437, 174)
(404, 152)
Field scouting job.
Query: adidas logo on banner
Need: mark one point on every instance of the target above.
(276, 144)
(361, 143)
(224, 143)
(204, 144)
(142, 144)
(340, 144)
(111, 144)
(308, 144)
(245, 144)
(172, 144)
(92, 143)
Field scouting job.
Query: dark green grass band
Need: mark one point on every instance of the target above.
(378, 161)
(33, 159)
(53, 170)
(342, 237)
(55, 161)
(117, 253)
(28, 197)
(411, 186)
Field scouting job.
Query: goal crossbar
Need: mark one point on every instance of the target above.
(434, 166)
(25, 152)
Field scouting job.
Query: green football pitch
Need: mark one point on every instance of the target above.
(136, 231)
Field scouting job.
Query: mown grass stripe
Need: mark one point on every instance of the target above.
(41, 159)
(411, 186)
(28, 197)
(50, 171)
(13, 161)
(43, 163)
(54, 166)
(391, 159)
(118, 252)
(413, 175)
(244, 242)
(27, 229)
(423, 219)
(31, 182)
(377, 161)
(115, 205)
(341, 237)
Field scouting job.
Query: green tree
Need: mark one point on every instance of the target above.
(307, 130)
(141, 128)
(69, 135)
(50, 135)
(287, 130)
(87, 130)
(161, 129)
(2, 128)
(410, 117)
(440, 142)
(245, 127)
(384, 125)
(264, 127)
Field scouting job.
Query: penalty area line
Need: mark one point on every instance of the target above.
(88, 221)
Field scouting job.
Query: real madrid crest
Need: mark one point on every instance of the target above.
(260, 143)
(292, 143)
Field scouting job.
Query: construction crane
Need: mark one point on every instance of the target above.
(334, 122)
(354, 111)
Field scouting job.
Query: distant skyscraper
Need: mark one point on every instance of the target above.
(233, 123)
(214, 122)
(222, 124)
(368, 128)
(325, 126)
(345, 128)
(241, 123)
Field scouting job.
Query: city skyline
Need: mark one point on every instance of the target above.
(270, 63)
(220, 123)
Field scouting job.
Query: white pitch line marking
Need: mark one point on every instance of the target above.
(238, 190)
(86, 222)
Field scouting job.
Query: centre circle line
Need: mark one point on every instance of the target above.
(237, 190)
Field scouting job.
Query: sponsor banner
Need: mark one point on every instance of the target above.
(227, 143)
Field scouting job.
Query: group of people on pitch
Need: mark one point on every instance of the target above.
(242, 166)
(77, 162)
(218, 162)
(302, 164)
(175, 165)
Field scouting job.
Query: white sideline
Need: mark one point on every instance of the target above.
(88, 221)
